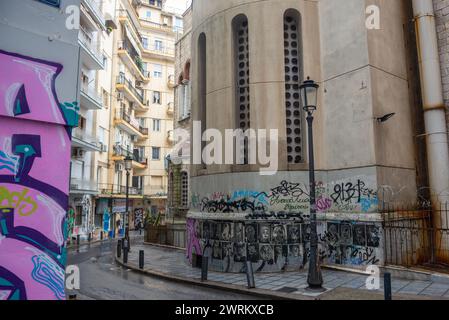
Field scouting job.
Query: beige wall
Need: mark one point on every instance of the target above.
(362, 75)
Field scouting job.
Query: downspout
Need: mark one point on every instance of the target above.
(435, 121)
(433, 104)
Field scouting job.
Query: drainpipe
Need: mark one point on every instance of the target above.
(432, 93)
(434, 117)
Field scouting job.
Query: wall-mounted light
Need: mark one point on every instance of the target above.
(385, 118)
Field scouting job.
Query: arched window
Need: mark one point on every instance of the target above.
(184, 189)
(293, 77)
(202, 86)
(241, 61)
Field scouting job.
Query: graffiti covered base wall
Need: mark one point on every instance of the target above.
(242, 216)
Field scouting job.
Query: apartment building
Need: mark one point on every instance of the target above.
(89, 159)
(141, 110)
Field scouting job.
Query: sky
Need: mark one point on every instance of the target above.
(179, 4)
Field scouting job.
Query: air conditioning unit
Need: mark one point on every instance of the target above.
(103, 147)
(120, 96)
(78, 153)
(119, 167)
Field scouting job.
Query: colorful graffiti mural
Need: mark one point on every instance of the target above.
(35, 138)
(350, 195)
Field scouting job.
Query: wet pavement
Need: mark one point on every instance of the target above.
(172, 262)
(102, 279)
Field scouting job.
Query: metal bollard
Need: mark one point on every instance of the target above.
(101, 235)
(125, 255)
(387, 286)
(141, 259)
(119, 248)
(204, 268)
(78, 239)
(250, 275)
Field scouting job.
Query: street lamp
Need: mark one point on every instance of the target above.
(128, 167)
(309, 93)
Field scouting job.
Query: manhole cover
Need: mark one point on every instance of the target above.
(287, 289)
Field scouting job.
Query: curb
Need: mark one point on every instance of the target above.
(215, 285)
(163, 246)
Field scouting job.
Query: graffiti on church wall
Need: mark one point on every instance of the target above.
(355, 194)
(283, 245)
(35, 138)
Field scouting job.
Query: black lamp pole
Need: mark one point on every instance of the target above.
(315, 278)
(128, 165)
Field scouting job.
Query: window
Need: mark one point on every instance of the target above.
(241, 54)
(155, 153)
(293, 65)
(202, 85)
(148, 14)
(184, 189)
(158, 45)
(156, 97)
(183, 92)
(178, 24)
(54, 3)
(145, 42)
(101, 135)
(157, 70)
(156, 125)
(105, 99)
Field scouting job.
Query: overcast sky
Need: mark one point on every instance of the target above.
(181, 4)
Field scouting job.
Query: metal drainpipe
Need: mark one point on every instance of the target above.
(434, 114)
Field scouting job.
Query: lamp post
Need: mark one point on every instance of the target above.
(309, 90)
(128, 167)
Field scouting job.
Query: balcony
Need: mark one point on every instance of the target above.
(132, 60)
(171, 81)
(157, 26)
(90, 54)
(95, 12)
(107, 189)
(170, 136)
(120, 153)
(129, 124)
(170, 108)
(90, 99)
(160, 52)
(131, 93)
(81, 186)
(87, 142)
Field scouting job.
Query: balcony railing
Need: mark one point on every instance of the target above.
(155, 25)
(120, 151)
(143, 130)
(83, 185)
(83, 136)
(86, 40)
(92, 93)
(137, 60)
(113, 189)
(163, 50)
(93, 6)
(121, 79)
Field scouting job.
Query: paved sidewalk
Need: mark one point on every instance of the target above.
(171, 264)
